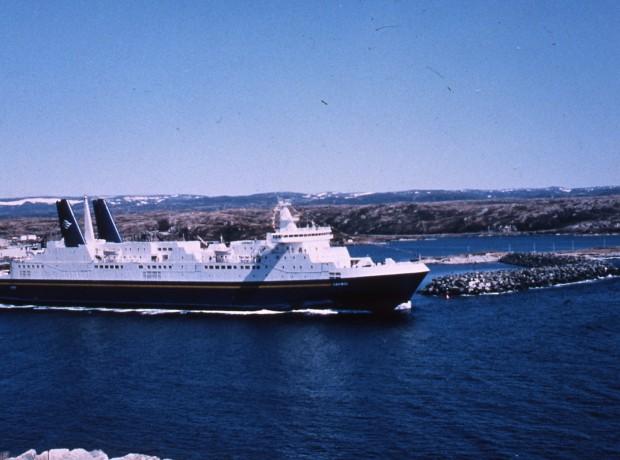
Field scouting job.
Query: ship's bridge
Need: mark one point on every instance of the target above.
(287, 230)
(301, 235)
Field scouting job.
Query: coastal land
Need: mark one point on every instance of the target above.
(357, 222)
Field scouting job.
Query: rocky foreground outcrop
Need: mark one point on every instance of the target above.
(76, 454)
(543, 271)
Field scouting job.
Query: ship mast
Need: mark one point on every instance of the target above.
(283, 219)
(89, 234)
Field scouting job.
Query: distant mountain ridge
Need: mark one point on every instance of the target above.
(45, 206)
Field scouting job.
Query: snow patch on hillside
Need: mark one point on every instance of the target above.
(33, 201)
(358, 194)
(145, 199)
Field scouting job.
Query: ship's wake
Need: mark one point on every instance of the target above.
(167, 311)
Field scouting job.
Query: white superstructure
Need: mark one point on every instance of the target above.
(288, 253)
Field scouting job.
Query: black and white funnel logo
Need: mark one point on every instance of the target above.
(66, 224)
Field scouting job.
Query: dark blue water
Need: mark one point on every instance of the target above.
(404, 250)
(534, 375)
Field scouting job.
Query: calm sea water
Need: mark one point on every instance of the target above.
(533, 375)
(404, 250)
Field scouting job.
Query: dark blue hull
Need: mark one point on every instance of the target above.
(376, 293)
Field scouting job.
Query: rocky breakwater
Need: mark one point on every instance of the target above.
(541, 270)
(75, 454)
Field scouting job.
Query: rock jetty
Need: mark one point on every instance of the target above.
(75, 454)
(540, 259)
(543, 270)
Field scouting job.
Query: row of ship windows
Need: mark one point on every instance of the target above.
(277, 237)
(145, 249)
(207, 267)
(245, 267)
(230, 267)
(119, 267)
(169, 267)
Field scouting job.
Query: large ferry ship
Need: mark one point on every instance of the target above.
(294, 267)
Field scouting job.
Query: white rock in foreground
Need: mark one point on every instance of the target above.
(76, 454)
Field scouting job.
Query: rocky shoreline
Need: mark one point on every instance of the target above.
(75, 454)
(541, 270)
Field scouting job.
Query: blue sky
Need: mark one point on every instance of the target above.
(244, 97)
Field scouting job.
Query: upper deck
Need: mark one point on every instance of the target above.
(289, 253)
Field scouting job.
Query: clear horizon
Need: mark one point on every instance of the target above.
(234, 99)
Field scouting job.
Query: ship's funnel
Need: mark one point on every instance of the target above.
(106, 226)
(89, 235)
(69, 228)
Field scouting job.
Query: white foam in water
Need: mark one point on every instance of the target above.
(315, 311)
(594, 280)
(236, 312)
(163, 311)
